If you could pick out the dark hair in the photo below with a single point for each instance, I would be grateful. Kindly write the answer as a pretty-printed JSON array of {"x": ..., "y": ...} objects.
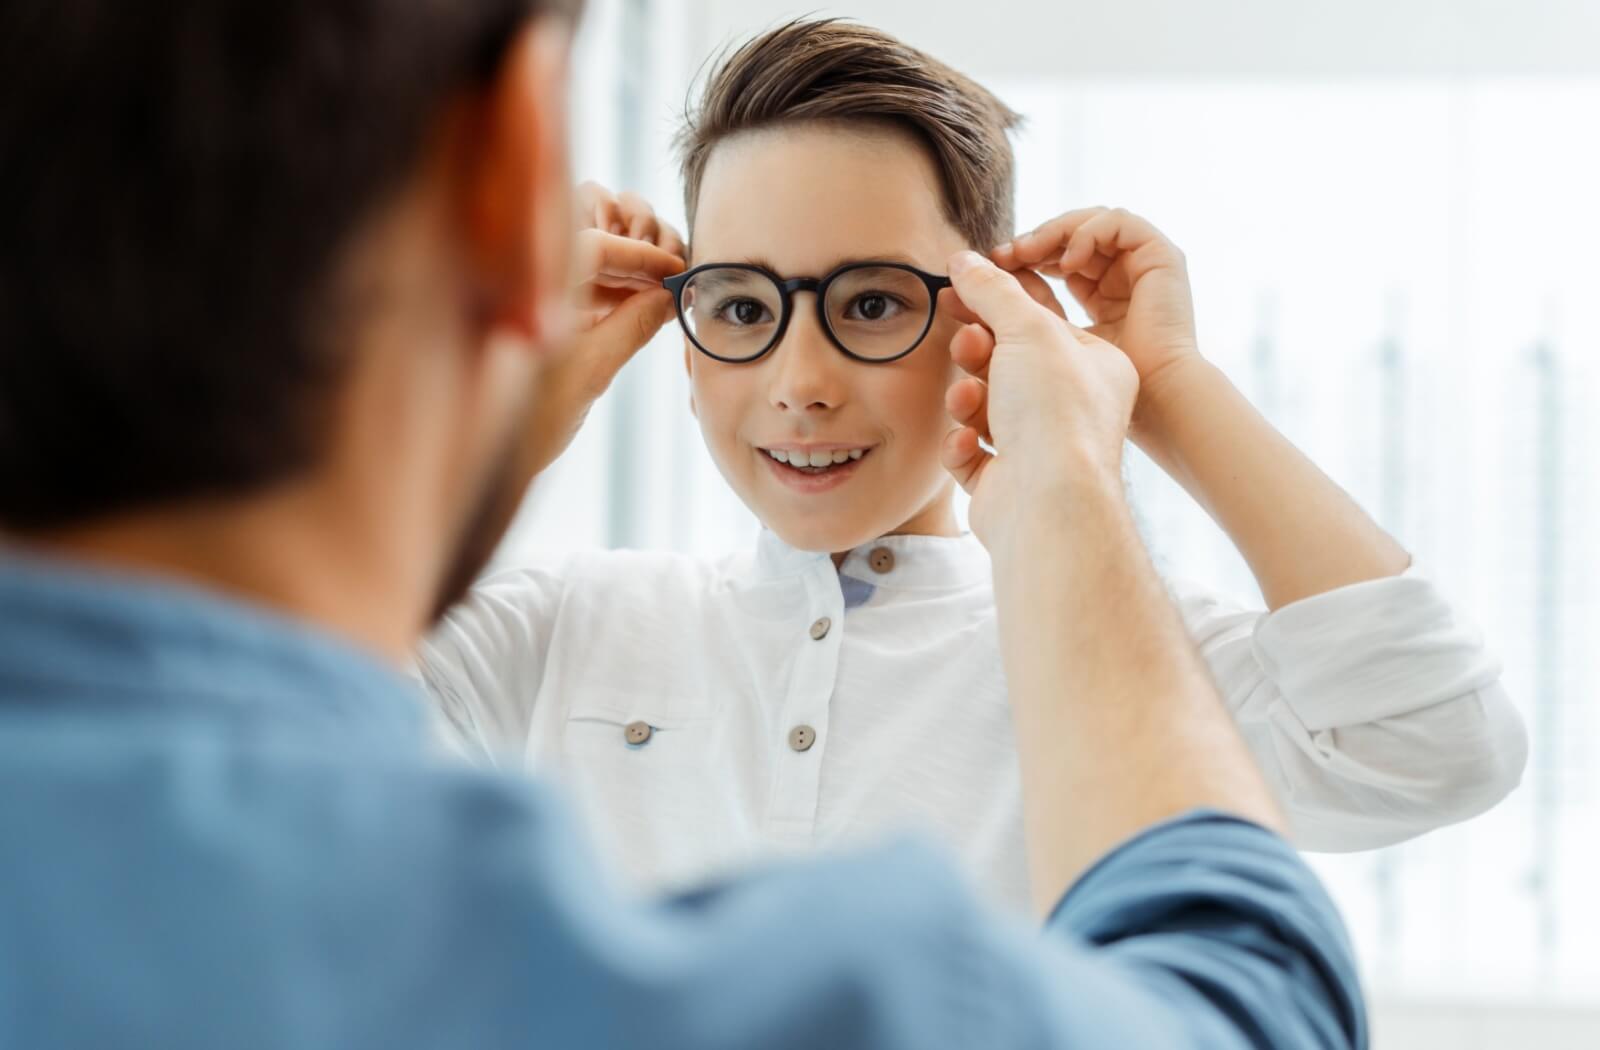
[
  {"x": 831, "y": 71},
  {"x": 177, "y": 183}
]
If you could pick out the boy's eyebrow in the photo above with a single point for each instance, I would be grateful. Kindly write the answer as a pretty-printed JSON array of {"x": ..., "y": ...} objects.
[{"x": 882, "y": 257}]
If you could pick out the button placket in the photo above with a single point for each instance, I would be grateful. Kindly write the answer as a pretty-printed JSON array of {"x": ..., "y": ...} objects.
[{"x": 801, "y": 722}]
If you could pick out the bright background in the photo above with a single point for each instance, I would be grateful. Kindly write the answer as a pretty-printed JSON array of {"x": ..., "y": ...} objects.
[{"x": 1392, "y": 216}]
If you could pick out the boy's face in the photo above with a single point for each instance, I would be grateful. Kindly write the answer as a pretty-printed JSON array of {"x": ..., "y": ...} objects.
[{"x": 801, "y": 201}]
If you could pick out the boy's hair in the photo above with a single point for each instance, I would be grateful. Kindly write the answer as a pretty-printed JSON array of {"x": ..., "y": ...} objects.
[
  {"x": 179, "y": 181},
  {"x": 832, "y": 71}
]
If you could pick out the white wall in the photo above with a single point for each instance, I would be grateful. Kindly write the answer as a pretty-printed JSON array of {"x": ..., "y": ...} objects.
[
  {"x": 1445, "y": 1024},
  {"x": 1213, "y": 37}
]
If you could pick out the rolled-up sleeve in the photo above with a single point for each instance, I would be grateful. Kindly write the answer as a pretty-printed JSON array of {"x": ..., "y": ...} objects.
[
  {"x": 1376, "y": 710},
  {"x": 1225, "y": 935}
]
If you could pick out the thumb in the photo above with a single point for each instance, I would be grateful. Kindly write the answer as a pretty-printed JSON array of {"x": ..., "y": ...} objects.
[
  {"x": 1000, "y": 302},
  {"x": 612, "y": 343}
]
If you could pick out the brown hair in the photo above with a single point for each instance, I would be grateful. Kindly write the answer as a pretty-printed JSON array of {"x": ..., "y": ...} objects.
[{"x": 832, "y": 71}]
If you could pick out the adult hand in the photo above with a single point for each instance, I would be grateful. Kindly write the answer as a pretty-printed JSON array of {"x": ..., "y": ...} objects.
[
  {"x": 1052, "y": 401},
  {"x": 1132, "y": 281},
  {"x": 623, "y": 252},
  {"x": 1118, "y": 724}
]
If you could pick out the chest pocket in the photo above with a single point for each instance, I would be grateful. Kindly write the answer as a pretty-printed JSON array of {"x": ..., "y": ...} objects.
[
  {"x": 655, "y": 783},
  {"x": 639, "y": 735}
]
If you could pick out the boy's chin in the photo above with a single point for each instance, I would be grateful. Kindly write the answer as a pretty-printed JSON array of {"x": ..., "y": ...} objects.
[{"x": 824, "y": 537}]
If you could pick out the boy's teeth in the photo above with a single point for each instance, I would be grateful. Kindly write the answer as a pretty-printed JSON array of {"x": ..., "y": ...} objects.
[{"x": 816, "y": 459}]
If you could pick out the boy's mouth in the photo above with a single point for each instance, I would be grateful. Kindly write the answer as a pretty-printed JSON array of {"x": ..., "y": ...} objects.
[{"x": 814, "y": 469}]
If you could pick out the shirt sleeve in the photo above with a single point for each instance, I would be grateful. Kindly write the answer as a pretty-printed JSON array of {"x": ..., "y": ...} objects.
[
  {"x": 482, "y": 666},
  {"x": 1205, "y": 932},
  {"x": 1375, "y": 709},
  {"x": 1221, "y": 919}
]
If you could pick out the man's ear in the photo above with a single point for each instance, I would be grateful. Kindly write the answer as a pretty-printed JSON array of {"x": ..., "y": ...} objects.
[
  {"x": 518, "y": 190},
  {"x": 688, "y": 368}
]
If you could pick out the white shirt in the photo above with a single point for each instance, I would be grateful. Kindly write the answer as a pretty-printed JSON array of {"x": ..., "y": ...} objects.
[{"x": 1374, "y": 710}]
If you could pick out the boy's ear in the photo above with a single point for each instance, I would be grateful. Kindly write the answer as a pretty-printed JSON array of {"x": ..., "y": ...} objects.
[{"x": 518, "y": 192}]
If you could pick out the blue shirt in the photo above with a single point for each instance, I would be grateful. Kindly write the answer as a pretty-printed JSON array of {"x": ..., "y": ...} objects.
[{"x": 221, "y": 829}]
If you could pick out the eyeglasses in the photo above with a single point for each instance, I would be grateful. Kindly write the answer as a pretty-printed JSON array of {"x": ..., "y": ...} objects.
[{"x": 872, "y": 311}]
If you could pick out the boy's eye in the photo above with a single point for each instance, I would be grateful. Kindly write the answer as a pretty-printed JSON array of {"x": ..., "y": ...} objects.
[
  {"x": 744, "y": 312},
  {"x": 873, "y": 306}
]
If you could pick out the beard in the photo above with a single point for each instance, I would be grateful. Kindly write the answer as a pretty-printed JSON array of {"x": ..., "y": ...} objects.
[
  {"x": 544, "y": 429},
  {"x": 496, "y": 507}
]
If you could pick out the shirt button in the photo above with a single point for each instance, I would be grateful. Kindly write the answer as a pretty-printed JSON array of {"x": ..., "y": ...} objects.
[
  {"x": 638, "y": 733},
  {"x": 820, "y": 629},
  {"x": 802, "y": 737},
  {"x": 881, "y": 560}
]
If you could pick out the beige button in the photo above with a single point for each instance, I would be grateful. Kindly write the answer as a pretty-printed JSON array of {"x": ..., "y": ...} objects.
[
  {"x": 802, "y": 737},
  {"x": 881, "y": 559},
  {"x": 638, "y": 733},
  {"x": 820, "y": 629}
]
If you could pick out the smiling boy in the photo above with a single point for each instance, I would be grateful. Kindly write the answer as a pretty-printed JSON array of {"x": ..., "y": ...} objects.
[{"x": 844, "y": 677}]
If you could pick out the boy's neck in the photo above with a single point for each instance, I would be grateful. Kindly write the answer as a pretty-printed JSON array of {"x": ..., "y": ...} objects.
[{"x": 937, "y": 518}]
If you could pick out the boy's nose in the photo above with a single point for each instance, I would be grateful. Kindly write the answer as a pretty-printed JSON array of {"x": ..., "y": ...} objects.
[{"x": 806, "y": 368}]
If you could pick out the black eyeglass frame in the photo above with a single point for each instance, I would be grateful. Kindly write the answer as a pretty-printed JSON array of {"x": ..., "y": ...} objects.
[{"x": 816, "y": 285}]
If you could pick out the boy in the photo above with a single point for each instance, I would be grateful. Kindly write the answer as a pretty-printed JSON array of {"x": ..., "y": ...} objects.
[{"x": 845, "y": 677}]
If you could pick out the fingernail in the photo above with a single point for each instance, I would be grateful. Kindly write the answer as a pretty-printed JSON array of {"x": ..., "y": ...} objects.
[
  {"x": 961, "y": 262},
  {"x": 1006, "y": 247}
]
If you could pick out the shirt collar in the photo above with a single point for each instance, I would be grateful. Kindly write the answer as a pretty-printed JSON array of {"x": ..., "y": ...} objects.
[
  {"x": 918, "y": 562},
  {"x": 114, "y": 638}
]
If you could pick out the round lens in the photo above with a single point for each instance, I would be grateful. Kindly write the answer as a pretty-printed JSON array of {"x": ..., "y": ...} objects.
[
  {"x": 878, "y": 312},
  {"x": 732, "y": 313}
]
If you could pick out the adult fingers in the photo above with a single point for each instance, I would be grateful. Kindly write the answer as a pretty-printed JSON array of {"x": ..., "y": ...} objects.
[
  {"x": 587, "y": 194},
  {"x": 599, "y": 209},
  {"x": 1087, "y": 293},
  {"x": 639, "y": 217},
  {"x": 619, "y": 261},
  {"x": 967, "y": 401},
  {"x": 963, "y": 456},
  {"x": 1109, "y": 235},
  {"x": 612, "y": 342},
  {"x": 995, "y": 296},
  {"x": 951, "y": 305},
  {"x": 1044, "y": 242},
  {"x": 1039, "y": 291},
  {"x": 971, "y": 349},
  {"x": 668, "y": 239}
]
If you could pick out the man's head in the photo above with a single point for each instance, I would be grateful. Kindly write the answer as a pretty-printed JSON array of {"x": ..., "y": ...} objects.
[
  {"x": 818, "y": 144},
  {"x": 309, "y": 249}
]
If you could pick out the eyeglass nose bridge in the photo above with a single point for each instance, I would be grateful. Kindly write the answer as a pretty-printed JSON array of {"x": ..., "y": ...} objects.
[
  {"x": 804, "y": 284},
  {"x": 789, "y": 288}
]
